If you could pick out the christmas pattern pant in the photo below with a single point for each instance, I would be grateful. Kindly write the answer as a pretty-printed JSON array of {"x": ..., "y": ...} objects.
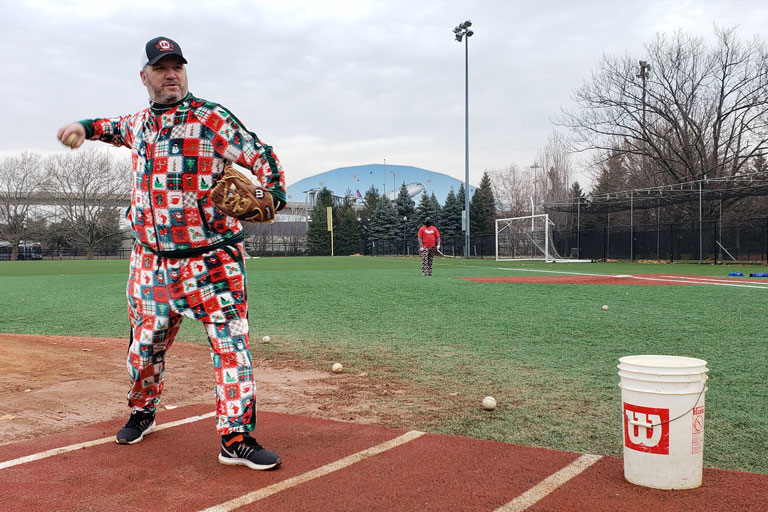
[
  {"x": 155, "y": 321},
  {"x": 427, "y": 254}
]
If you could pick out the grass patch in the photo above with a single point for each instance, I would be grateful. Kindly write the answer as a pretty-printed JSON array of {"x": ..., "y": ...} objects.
[{"x": 547, "y": 352}]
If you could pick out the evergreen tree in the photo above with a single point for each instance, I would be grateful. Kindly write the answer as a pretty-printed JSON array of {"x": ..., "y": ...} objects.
[
  {"x": 577, "y": 196},
  {"x": 429, "y": 207},
  {"x": 346, "y": 231},
  {"x": 759, "y": 163},
  {"x": 385, "y": 223},
  {"x": 482, "y": 208},
  {"x": 318, "y": 236},
  {"x": 366, "y": 214},
  {"x": 450, "y": 218},
  {"x": 406, "y": 209}
]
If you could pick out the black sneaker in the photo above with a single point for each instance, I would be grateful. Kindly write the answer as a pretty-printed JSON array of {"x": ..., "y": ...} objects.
[
  {"x": 139, "y": 424},
  {"x": 243, "y": 450}
]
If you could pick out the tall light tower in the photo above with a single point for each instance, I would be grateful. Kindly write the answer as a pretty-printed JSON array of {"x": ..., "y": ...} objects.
[
  {"x": 463, "y": 32},
  {"x": 644, "y": 73},
  {"x": 645, "y": 70},
  {"x": 535, "y": 168}
]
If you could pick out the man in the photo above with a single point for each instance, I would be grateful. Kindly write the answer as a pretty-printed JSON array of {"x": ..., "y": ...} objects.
[
  {"x": 429, "y": 242},
  {"x": 187, "y": 259}
]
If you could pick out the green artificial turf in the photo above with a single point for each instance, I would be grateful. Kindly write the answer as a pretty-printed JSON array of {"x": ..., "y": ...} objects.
[{"x": 547, "y": 352}]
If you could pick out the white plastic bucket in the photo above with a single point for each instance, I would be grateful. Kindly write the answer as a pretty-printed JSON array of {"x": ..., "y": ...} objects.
[{"x": 663, "y": 416}]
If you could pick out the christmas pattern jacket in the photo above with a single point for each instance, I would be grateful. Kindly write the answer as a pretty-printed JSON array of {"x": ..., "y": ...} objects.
[{"x": 177, "y": 155}]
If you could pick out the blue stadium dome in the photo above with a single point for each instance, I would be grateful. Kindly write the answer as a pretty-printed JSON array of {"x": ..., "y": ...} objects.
[{"x": 356, "y": 180}]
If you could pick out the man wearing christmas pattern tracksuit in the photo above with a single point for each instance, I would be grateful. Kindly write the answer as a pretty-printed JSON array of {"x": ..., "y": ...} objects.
[{"x": 187, "y": 260}]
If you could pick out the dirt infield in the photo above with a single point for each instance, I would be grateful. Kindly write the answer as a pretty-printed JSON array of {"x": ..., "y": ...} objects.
[
  {"x": 643, "y": 280},
  {"x": 56, "y": 383}
]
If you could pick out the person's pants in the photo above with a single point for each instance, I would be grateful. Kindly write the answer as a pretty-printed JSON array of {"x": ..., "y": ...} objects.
[
  {"x": 427, "y": 254},
  {"x": 209, "y": 288},
  {"x": 230, "y": 351}
]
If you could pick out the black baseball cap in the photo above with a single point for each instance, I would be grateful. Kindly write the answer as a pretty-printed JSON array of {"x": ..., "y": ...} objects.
[{"x": 159, "y": 47}]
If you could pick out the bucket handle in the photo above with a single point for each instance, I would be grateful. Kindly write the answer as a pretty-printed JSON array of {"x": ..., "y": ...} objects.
[{"x": 651, "y": 425}]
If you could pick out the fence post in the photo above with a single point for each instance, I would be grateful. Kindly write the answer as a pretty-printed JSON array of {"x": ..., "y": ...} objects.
[
  {"x": 671, "y": 243},
  {"x": 605, "y": 247}
]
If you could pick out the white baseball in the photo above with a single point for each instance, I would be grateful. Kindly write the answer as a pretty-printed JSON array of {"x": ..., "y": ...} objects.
[
  {"x": 489, "y": 403},
  {"x": 266, "y": 339},
  {"x": 337, "y": 368},
  {"x": 605, "y": 307},
  {"x": 71, "y": 140}
]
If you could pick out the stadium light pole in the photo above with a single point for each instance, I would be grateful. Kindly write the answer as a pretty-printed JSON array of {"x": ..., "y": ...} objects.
[
  {"x": 643, "y": 74},
  {"x": 24, "y": 245},
  {"x": 535, "y": 168},
  {"x": 405, "y": 221},
  {"x": 463, "y": 32}
]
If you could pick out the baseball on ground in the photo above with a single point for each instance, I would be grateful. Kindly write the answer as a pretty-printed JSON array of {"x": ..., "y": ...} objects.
[
  {"x": 605, "y": 307},
  {"x": 489, "y": 403},
  {"x": 337, "y": 368},
  {"x": 266, "y": 339}
]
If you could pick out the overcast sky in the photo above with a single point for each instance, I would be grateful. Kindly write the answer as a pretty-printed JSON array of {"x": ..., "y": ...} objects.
[{"x": 338, "y": 83}]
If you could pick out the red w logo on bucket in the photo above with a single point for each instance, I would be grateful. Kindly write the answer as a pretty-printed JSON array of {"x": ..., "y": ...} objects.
[{"x": 646, "y": 429}]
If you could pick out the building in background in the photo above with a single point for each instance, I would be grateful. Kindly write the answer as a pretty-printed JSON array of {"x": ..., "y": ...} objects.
[{"x": 356, "y": 180}]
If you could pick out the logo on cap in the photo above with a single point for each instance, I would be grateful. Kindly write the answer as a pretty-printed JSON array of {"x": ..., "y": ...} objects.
[{"x": 164, "y": 45}]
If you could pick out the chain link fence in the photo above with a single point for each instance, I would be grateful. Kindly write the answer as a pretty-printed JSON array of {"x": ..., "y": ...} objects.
[{"x": 706, "y": 241}]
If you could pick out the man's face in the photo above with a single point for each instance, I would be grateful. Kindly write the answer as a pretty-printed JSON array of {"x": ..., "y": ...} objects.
[{"x": 166, "y": 80}]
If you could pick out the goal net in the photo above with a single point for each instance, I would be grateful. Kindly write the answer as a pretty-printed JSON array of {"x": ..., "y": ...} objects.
[{"x": 525, "y": 238}]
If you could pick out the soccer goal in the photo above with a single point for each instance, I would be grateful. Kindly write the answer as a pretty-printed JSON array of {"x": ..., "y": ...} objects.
[{"x": 525, "y": 238}]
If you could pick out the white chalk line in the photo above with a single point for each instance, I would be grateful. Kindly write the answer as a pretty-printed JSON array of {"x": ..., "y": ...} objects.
[
  {"x": 265, "y": 492},
  {"x": 700, "y": 280},
  {"x": 87, "y": 444},
  {"x": 724, "y": 281},
  {"x": 668, "y": 279},
  {"x": 520, "y": 503},
  {"x": 549, "y": 484}
]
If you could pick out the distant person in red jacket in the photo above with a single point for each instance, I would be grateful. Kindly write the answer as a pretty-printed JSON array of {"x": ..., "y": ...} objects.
[{"x": 429, "y": 244}]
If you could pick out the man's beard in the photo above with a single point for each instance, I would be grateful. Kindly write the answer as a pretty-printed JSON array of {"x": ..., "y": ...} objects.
[{"x": 164, "y": 98}]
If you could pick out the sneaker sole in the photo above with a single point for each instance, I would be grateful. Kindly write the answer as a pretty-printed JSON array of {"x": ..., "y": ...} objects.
[
  {"x": 147, "y": 431},
  {"x": 245, "y": 462}
]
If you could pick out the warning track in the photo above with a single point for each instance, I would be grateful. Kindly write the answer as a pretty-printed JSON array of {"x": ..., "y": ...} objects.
[{"x": 332, "y": 465}]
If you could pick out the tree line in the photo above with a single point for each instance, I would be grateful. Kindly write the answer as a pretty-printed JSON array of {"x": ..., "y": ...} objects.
[
  {"x": 381, "y": 220},
  {"x": 80, "y": 191},
  {"x": 687, "y": 110}
]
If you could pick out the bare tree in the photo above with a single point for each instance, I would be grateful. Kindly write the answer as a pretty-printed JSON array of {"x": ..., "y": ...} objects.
[
  {"x": 554, "y": 182},
  {"x": 260, "y": 235},
  {"x": 513, "y": 190},
  {"x": 295, "y": 232},
  {"x": 689, "y": 112},
  {"x": 88, "y": 186},
  {"x": 20, "y": 179}
]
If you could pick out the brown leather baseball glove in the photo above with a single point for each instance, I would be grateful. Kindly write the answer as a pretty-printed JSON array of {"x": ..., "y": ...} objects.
[{"x": 238, "y": 197}]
